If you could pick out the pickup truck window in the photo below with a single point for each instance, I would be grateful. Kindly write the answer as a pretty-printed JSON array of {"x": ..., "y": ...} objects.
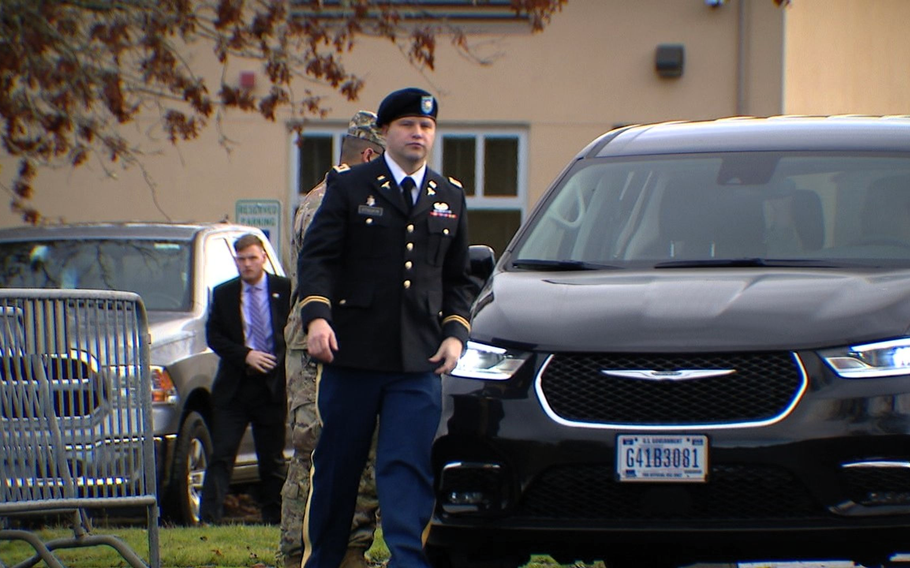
[{"x": 156, "y": 270}]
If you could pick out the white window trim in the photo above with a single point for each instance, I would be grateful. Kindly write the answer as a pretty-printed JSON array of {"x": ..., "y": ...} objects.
[
  {"x": 336, "y": 133},
  {"x": 479, "y": 200}
]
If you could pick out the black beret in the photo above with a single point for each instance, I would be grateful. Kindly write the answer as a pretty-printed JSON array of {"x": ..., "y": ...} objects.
[{"x": 406, "y": 102}]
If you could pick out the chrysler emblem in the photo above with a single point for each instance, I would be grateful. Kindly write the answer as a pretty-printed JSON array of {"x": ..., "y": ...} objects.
[{"x": 678, "y": 375}]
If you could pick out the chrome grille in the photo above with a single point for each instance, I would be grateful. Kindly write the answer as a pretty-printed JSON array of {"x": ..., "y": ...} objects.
[
  {"x": 763, "y": 387},
  {"x": 77, "y": 390}
]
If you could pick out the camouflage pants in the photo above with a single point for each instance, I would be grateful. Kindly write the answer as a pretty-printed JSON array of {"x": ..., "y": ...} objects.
[{"x": 305, "y": 428}]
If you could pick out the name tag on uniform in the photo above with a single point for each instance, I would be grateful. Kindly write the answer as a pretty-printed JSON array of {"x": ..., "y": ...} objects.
[{"x": 370, "y": 211}]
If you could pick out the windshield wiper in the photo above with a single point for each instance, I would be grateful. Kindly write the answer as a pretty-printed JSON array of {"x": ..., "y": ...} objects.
[
  {"x": 747, "y": 262},
  {"x": 557, "y": 265}
]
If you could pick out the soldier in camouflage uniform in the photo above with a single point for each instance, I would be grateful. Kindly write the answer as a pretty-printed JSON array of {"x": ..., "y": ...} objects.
[{"x": 362, "y": 143}]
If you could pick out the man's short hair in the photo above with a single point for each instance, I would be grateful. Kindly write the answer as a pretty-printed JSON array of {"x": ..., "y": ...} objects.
[{"x": 247, "y": 240}]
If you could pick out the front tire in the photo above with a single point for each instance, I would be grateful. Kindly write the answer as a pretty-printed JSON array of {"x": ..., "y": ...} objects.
[{"x": 191, "y": 457}]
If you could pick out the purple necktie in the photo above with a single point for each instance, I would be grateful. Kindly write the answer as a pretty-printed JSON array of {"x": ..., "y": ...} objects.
[{"x": 259, "y": 321}]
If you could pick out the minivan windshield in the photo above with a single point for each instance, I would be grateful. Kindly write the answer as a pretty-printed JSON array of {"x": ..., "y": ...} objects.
[
  {"x": 157, "y": 270},
  {"x": 737, "y": 209}
]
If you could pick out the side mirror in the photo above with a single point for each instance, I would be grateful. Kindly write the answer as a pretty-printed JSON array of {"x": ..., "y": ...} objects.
[{"x": 483, "y": 260}]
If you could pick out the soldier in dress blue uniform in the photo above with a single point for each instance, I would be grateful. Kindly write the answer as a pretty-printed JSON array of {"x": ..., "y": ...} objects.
[{"x": 385, "y": 299}]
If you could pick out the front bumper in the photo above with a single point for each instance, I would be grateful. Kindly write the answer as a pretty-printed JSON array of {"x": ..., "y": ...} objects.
[{"x": 831, "y": 476}]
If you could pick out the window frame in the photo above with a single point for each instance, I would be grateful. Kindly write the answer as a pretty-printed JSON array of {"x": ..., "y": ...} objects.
[
  {"x": 480, "y": 200},
  {"x": 296, "y": 193},
  {"x": 469, "y": 15}
]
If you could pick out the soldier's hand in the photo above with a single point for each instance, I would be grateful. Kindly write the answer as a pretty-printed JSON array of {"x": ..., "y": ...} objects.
[
  {"x": 260, "y": 361},
  {"x": 321, "y": 343},
  {"x": 448, "y": 353}
]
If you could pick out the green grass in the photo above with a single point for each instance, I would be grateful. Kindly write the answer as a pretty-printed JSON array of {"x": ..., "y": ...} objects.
[{"x": 224, "y": 546}]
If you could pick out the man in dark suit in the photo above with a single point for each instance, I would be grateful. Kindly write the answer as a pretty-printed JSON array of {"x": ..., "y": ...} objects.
[
  {"x": 245, "y": 328},
  {"x": 383, "y": 277}
]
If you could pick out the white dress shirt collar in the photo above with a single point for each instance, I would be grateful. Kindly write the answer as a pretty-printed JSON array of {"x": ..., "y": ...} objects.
[
  {"x": 399, "y": 174},
  {"x": 260, "y": 285}
]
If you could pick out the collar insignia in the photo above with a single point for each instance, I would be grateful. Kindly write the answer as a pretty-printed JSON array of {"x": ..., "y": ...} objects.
[{"x": 386, "y": 185}]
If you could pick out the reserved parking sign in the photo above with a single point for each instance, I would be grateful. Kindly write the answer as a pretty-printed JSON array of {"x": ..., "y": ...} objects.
[{"x": 263, "y": 214}]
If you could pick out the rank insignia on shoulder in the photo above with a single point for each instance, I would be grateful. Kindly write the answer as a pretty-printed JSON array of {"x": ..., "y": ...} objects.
[
  {"x": 455, "y": 182},
  {"x": 341, "y": 168}
]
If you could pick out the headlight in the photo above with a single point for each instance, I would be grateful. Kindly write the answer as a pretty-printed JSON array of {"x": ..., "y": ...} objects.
[
  {"x": 489, "y": 363},
  {"x": 872, "y": 360}
]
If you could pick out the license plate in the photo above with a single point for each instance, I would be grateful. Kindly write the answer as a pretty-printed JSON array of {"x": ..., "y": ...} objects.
[{"x": 661, "y": 457}]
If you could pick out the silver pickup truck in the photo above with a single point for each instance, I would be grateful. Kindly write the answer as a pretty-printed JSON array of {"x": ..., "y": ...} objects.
[{"x": 173, "y": 267}]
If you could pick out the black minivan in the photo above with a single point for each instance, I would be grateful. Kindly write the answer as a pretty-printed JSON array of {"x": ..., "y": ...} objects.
[{"x": 697, "y": 348}]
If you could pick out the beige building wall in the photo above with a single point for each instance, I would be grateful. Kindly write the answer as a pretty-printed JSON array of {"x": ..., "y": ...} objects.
[
  {"x": 591, "y": 69},
  {"x": 847, "y": 56}
]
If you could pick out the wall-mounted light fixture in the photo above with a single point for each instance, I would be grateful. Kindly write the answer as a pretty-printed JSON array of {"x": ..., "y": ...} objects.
[
  {"x": 669, "y": 60},
  {"x": 248, "y": 80},
  {"x": 715, "y": 3}
]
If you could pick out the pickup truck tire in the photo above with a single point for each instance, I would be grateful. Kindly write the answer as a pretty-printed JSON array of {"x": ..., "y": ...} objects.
[{"x": 191, "y": 456}]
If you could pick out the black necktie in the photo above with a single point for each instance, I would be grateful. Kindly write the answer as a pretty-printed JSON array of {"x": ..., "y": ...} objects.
[{"x": 407, "y": 185}]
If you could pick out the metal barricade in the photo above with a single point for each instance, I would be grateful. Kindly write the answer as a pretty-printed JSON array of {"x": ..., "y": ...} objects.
[{"x": 75, "y": 415}]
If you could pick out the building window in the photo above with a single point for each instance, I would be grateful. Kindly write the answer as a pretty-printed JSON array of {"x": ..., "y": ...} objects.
[
  {"x": 459, "y": 159},
  {"x": 458, "y": 12},
  {"x": 492, "y": 168},
  {"x": 493, "y": 227},
  {"x": 312, "y": 154},
  {"x": 502, "y": 180},
  {"x": 315, "y": 155}
]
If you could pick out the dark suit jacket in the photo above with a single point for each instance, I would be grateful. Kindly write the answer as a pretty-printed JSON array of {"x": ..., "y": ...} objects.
[
  {"x": 224, "y": 334},
  {"x": 392, "y": 284}
]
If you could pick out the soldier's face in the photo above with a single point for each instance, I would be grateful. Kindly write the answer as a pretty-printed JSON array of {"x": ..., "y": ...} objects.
[{"x": 409, "y": 140}]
